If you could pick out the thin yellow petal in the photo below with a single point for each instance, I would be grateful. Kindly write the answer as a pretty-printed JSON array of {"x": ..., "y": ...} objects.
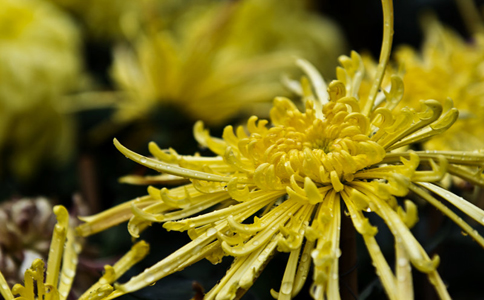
[
  {"x": 384, "y": 54},
  {"x": 69, "y": 262},
  {"x": 111, "y": 217},
  {"x": 168, "y": 168},
  {"x": 4, "y": 288},
  {"x": 465, "y": 206},
  {"x": 382, "y": 268},
  {"x": 449, "y": 213},
  {"x": 57, "y": 247},
  {"x": 403, "y": 274}
]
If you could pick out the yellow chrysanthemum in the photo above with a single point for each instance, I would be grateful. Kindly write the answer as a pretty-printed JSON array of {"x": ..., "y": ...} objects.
[
  {"x": 39, "y": 62},
  {"x": 61, "y": 268},
  {"x": 448, "y": 66},
  {"x": 211, "y": 62},
  {"x": 282, "y": 188}
]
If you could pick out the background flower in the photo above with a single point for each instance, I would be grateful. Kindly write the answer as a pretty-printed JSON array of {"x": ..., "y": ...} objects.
[
  {"x": 39, "y": 64},
  {"x": 26, "y": 226},
  {"x": 218, "y": 59},
  {"x": 448, "y": 67},
  {"x": 104, "y": 21}
]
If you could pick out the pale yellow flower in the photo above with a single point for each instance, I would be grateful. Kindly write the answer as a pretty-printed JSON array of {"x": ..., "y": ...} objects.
[
  {"x": 61, "y": 268},
  {"x": 39, "y": 63},
  {"x": 282, "y": 188},
  {"x": 216, "y": 60},
  {"x": 448, "y": 66}
]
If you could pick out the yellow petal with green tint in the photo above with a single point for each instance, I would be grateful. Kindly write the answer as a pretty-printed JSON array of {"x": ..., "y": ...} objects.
[
  {"x": 287, "y": 284},
  {"x": 203, "y": 137},
  {"x": 73, "y": 247},
  {"x": 326, "y": 253},
  {"x": 262, "y": 257},
  {"x": 384, "y": 54},
  {"x": 449, "y": 213},
  {"x": 145, "y": 180},
  {"x": 111, "y": 217},
  {"x": 111, "y": 274},
  {"x": 260, "y": 199},
  {"x": 170, "y": 263},
  {"x": 295, "y": 229},
  {"x": 361, "y": 223},
  {"x": 244, "y": 271},
  {"x": 34, "y": 273},
  {"x": 168, "y": 168},
  {"x": 410, "y": 215},
  {"x": 281, "y": 215},
  {"x": 57, "y": 247},
  {"x": 465, "y": 206},
  {"x": 382, "y": 268},
  {"x": 404, "y": 288},
  {"x": 4, "y": 288},
  {"x": 303, "y": 267},
  {"x": 415, "y": 251},
  {"x": 101, "y": 293}
]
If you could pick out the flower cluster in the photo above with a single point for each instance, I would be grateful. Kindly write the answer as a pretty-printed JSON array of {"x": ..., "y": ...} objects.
[{"x": 283, "y": 187}]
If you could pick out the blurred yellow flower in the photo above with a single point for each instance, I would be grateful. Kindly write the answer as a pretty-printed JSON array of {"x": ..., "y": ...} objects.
[
  {"x": 448, "y": 66},
  {"x": 282, "y": 188},
  {"x": 61, "y": 268},
  {"x": 104, "y": 20},
  {"x": 215, "y": 60},
  {"x": 39, "y": 62}
]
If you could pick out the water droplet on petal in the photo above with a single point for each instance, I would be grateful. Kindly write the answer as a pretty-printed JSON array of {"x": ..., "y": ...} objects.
[
  {"x": 338, "y": 252},
  {"x": 286, "y": 288},
  {"x": 149, "y": 278}
]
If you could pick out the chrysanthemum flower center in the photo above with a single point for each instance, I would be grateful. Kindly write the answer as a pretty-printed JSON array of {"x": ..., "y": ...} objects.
[{"x": 328, "y": 150}]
